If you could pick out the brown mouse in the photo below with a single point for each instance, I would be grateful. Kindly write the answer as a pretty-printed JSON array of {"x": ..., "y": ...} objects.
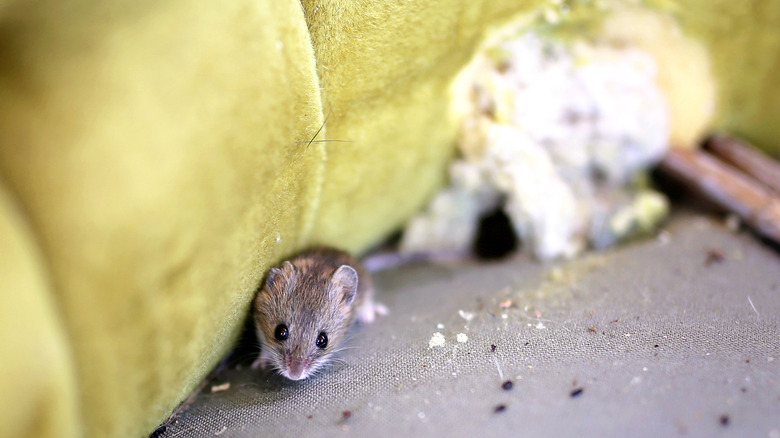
[{"x": 303, "y": 311}]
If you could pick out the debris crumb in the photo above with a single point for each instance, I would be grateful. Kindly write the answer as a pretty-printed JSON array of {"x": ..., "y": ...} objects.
[
  {"x": 498, "y": 367},
  {"x": 664, "y": 237},
  {"x": 346, "y": 414},
  {"x": 462, "y": 338},
  {"x": 540, "y": 326},
  {"x": 437, "y": 340},
  {"x": 506, "y": 386},
  {"x": 556, "y": 274},
  {"x": 507, "y": 303},
  {"x": 732, "y": 222},
  {"x": 223, "y": 387},
  {"x": 592, "y": 329},
  {"x": 492, "y": 348},
  {"x": 221, "y": 431},
  {"x": 576, "y": 392},
  {"x": 713, "y": 256},
  {"x": 466, "y": 315},
  {"x": 751, "y": 305},
  {"x": 724, "y": 420},
  {"x": 499, "y": 408}
]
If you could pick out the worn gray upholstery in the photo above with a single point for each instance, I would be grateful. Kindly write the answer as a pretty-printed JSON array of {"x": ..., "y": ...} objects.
[{"x": 671, "y": 336}]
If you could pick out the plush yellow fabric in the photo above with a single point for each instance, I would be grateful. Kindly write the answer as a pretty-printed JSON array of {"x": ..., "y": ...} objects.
[
  {"x": 743, "y": 40},
  {"x": 154, "y": 149},
  {"x": 157, "y": 154},
  {"x": 385, "y": 69},
  {"x": 36, "y": 369}
]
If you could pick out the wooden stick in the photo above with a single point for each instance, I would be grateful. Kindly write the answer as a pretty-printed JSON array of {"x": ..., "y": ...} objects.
[
  {"x": 728, "y": 188},
  {"x": 747, "y": 158}
]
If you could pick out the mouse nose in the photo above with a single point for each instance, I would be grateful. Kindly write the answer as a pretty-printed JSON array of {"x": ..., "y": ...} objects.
[{"x": 296, "y": 368}]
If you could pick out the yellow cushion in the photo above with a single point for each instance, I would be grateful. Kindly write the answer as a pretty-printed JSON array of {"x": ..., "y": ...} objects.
[
  {"x": 157, "y": 160},
  {"x": 36, "y": 371}
]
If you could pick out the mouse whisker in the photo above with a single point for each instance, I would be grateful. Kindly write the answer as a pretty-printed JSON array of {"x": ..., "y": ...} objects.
[
  {"x": 341, "y": 349},
  {"x": 337, "y": 360},
  {"x": 318, "y": 366}
]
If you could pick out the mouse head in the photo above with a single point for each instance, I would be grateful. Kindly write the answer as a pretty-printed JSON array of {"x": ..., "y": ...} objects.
[{"x": 302, "y": 316}]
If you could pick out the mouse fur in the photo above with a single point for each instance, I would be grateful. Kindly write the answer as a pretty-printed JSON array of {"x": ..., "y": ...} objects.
[{"x": 315, "y": 296}]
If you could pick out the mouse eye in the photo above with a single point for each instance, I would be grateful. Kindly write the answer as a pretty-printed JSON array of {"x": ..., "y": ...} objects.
[
  {"x": 322, "y": 340},
  {"x": 281, "y": 333}
]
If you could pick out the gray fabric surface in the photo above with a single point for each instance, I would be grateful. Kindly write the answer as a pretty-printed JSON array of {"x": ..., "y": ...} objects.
[{"x": 660, "y": 336}]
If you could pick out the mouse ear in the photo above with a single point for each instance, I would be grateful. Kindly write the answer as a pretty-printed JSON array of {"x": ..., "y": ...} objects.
[
  {"x": 286, "y": 271},
  {"x": 346, "y": 281}
]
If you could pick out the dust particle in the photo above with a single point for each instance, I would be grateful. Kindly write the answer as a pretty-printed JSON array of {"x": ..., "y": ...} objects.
[
  {"x": 466, "y": 315},
  {"x": 576, "y": 392},
  {"x": 223, "y": 387},
  {"x": 437, "y": 340},
  {"x": 713, "y": 256}
]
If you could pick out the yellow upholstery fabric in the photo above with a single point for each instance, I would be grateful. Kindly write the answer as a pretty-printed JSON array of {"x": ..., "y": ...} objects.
[
  {"x": 153, "y": 148},
  {"x": 156, "y": 159},
  {"x": 743, "y": 41},
  {"x": 37, "y": 380}
]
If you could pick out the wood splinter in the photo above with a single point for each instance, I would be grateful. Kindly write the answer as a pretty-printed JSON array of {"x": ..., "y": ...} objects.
[
  {"x": 749, "y": 195},
  {"x": 746, "y": 158}
]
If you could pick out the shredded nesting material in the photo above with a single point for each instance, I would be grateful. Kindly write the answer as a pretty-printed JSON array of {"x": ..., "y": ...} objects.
[{"x": 558, "y": 135}]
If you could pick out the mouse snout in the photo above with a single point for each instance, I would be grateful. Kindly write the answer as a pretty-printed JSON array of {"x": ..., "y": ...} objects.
[{"x": 297, "y": 367}]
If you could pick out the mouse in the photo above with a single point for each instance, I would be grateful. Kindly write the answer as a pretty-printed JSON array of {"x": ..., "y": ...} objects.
[{"x": 306, "y": 306}]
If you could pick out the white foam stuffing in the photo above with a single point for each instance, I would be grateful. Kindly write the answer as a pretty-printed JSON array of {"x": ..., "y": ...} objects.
[{"x": 554, "y": 129}]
